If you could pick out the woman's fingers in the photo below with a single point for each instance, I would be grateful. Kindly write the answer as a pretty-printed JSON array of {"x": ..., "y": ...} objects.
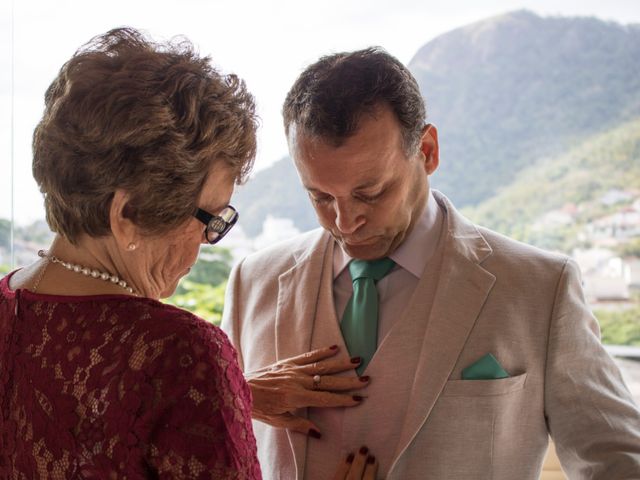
[
  {"x": 360, "y": 466},
  {"x": 306, "y": 380},
  {"x": 335, "y": 384},
  {"x": 343, "y": 467},
  {"x": 330, "y": 365},
  {"x": 313, "y": 356},
  {"x": 309, "y": 398},
  {"x": 278, "y": 396},
  {"x": 292, "y": 399},
  {"x": 320, "y": 362},
  {"x": 359, "y": 463},
  {"x": 292, "y": 422},
  {"x": 371, "y": 468}
]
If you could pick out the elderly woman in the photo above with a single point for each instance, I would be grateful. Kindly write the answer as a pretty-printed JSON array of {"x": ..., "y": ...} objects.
[{"x": 137, "y": 154}]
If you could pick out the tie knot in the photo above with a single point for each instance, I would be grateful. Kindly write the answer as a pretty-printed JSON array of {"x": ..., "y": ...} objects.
[{"x": 374, "y": 269}]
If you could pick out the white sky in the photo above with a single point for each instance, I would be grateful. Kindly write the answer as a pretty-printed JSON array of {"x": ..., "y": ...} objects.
[{"x": 265, "y": 42}]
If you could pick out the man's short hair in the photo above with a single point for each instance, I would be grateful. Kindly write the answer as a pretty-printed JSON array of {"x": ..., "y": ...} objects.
[{"x": 329, "y": 98}]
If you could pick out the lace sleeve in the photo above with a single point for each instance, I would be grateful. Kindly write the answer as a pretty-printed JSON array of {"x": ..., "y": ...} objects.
[{"x": 202, "y": 426}]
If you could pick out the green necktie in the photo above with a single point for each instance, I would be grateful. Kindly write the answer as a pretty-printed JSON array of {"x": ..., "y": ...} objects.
[{"x": 360, "y": 319}]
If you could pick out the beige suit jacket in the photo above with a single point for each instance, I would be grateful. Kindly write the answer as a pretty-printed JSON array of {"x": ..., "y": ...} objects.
[{"x": 494, "y": 295}]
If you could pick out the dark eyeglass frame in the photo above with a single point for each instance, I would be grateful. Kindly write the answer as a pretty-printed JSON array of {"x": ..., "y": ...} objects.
[{"x": 217, "y": 226}]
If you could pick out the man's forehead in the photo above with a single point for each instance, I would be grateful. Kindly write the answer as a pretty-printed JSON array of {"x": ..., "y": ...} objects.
[
  {"x": 379, "y": 138},
  {"x": 299, "y": 137}
]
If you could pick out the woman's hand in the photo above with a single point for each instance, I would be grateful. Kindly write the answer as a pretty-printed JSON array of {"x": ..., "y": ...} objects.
[
  {"x": 307, "y": 380},
  {"x": 360, "y": 466}
]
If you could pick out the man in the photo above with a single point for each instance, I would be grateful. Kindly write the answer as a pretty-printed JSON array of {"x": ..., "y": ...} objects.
[{"x": 484, "y": 346}]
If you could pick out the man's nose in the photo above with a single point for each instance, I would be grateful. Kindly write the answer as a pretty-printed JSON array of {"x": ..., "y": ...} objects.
[{"x": 348, "y": 217}]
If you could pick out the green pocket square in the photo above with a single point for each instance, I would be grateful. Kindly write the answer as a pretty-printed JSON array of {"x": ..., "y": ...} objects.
[{"x": 487, "y": 368}]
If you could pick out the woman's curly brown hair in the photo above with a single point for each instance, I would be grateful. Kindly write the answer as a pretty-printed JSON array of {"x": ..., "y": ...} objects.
[{"x": 149, "y": 118}]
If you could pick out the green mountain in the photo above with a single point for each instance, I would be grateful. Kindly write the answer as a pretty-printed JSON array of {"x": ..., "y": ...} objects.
[
  {"x": 579, "y": 177},
  {"x": 511, "y": 89},
  {"x": 274, "y": 191},
  {"x": 506, "y": 93}
]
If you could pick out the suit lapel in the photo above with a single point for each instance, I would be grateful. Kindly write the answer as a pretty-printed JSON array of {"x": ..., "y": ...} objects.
[
  {"x": 298, "y": 290},
  {"x": 462, "y": 290}
]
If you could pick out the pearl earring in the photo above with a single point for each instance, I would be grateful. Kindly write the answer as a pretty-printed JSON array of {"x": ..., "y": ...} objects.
[{"x": 131, "y": 247}]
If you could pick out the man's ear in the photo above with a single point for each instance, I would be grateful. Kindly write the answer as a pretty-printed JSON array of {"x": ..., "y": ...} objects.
[
  {"x": 429, "y": 147},
  {"x": 124, "y": 231}
]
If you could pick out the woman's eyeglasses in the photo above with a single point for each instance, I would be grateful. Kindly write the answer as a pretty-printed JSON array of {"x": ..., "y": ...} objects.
[{"x": 217, "y": 226}]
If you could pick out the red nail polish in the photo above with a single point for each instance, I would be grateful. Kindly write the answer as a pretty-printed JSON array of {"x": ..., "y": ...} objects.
[
  {"x": 364, "y": 450},
  {"x": 350, "y": 458},
  {"x": 371, "y": 459},
  {"x": 356, "y": 359},
  {"x": 314, "y": 433},
  {"x": 333, "y": 347},
  {"x": 358, "y": 398},
  {"x": 365, "y": 378}
]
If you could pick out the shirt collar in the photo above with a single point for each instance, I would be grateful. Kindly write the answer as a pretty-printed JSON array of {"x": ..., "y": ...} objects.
[{"x": 416, "y": 250}]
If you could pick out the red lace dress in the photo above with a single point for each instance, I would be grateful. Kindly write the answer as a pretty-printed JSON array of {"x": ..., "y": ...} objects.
[{"x": 113, "y": 386}]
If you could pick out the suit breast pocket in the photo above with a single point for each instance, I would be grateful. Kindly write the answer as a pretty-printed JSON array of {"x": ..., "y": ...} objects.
[
  {"x": 481, "y": 388},
  {"x": 457, "y": 440}
]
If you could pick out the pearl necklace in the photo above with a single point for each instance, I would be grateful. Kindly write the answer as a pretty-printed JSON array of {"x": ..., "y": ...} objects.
[{"x": 88, "y": 272}]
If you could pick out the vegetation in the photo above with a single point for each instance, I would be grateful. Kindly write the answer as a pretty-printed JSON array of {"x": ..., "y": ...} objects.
[
  {"x": 631, "y": 249},
  {"x": 202, "y": 291},
  {"x": 510, "y": 90},
  {"x": 274, "y": 191},
  {"x": 212, "y": 268},
  {"x": 578, "y": 177},
  {"x": 204, "y": 300},
  {"x": 620, "y": 327}
]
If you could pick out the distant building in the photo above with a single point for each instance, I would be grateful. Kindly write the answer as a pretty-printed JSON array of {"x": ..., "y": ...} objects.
[
  {"x": 634, "y": 272},
  {"x": 615, "y": 196},
  {"x": 598, "y": 288},
  {"x": 622, "y": 225},
  {"x": 557, "y": 218},
  {"x": 606, "y": 277},
  {"x": 238, "y": 243},
  {"x": 592, "y": 260}
]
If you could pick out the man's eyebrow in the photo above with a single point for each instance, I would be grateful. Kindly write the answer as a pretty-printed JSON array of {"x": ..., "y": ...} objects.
[
  {"x": 368, "y": 184},
  {"x": 363, "y": 186}
]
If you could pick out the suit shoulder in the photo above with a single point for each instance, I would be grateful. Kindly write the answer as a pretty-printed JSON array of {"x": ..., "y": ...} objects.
[
  {"x": 510, "y": 251},
  {"x": 283, "y": 254}
]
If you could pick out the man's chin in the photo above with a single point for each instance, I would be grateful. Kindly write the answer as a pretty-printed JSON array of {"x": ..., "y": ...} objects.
[{"x": 364, "y": 251}]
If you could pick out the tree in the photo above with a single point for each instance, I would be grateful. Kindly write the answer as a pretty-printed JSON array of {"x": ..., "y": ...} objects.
[
  {"x": 630, "y": 249},
  {"x": 620, "y": 327},
  {"x": 213, "y": 266},
  {"x": 202, "y": 291},
  {"x": 203, "y": 300}
]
